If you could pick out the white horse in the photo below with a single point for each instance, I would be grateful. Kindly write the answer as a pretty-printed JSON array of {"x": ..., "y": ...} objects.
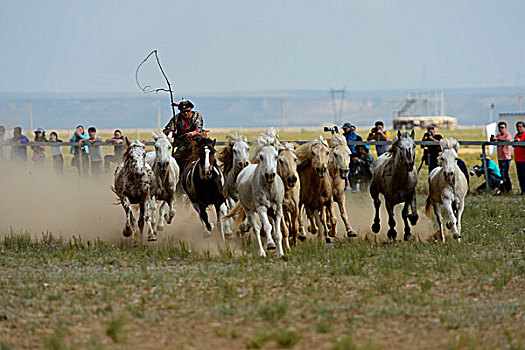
[
  {"x": 261, "y": 191},
  {"x": 234, "y": 157},
  {"x": 134, "y": 184},
  {"x": 447, "y": 186},
  {"x": 166, "y": 174}
]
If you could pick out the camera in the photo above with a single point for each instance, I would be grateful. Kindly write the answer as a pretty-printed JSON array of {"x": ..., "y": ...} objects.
[
  {"x": 331, "y": 129},
  {"x": 474, "y": 170},
  {"x": 427, "y": 135},
  {"x": 374, "y": 130}
]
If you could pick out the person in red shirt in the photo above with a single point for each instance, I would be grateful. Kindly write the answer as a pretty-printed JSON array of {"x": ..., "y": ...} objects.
[
  {"x": 519, "y": 155},
  {"x": 504, "y": 153}
]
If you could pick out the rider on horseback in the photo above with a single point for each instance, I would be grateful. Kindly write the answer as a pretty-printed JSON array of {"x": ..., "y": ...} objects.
[{"x": 185, "y": 125}]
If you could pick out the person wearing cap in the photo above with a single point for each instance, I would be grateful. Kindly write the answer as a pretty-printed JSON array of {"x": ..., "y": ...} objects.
[
  {"x": 378, "y": 133},
  {"x": 431, "y": 153},
  {"x": 350, "y": 135},
  {"x": 184, "y": 125},
  {"x": 18, "y": 153},
  {"x": 39, "y": 152},
  {"x": 495, "y": 180}
]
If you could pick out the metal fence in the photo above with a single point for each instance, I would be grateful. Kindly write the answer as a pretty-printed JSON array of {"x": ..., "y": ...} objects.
[{"x": 483, "y": 145}]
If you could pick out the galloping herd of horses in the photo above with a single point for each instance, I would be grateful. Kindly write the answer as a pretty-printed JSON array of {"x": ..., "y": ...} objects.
[{"x": 276, "y": 183}]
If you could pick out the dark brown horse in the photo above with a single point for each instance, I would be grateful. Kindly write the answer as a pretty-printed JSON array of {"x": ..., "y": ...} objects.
[{"x": 202, "y": 181}]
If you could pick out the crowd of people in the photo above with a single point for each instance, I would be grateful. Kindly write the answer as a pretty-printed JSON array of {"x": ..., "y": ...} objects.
[{"x": 88, "y": 155}]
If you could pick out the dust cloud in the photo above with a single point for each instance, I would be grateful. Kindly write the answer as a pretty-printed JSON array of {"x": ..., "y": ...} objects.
[{"x": 37, "y": 201}]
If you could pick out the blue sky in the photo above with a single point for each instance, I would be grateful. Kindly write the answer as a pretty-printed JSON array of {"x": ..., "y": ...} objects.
[{"x": 240, "y": 46}]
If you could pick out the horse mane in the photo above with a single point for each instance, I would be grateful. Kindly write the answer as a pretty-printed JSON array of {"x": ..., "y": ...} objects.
[
  {"x": 271, "y": 137},
  {"x": 449, "y": 143},
  {"x": 291, "y": 146},
  {"x": 192, "y": 153},
  {"x": 262, "y": 141},
  {"x": 304, "y": 152},
  {"x": 225, "y": 154},
  {"x": 127, "y": 152},
  {"x": 336, "y": 140}
]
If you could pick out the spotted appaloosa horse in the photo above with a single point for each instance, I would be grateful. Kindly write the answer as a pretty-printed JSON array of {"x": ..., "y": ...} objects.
[
  {"x": 202, "y": 180},
  {"x": 166, "y": 173},
  {"x": 395, "y": 176},
  {"x": 134, "y": 184}
]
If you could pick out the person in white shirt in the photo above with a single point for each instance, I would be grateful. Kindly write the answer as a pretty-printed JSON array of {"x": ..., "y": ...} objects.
[
  {"x": 96, "y": 154},
  {"x": 4, "y": 152}
]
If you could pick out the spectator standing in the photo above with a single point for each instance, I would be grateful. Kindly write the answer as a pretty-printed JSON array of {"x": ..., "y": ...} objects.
[
  {"x": 363, "y": 160},
  {"x": 18, "y": 153},
  {"x": 39, "y": 152},
  {"x": 80, "y": 152},
  {"x": 431, "y": 153},
  {"x": 504, "y": 153},
  {"x": 58, "y": 159},
  {"x": 4, "y": 138},
  {"x": 378, "y": 133},
  {"x": 519, "y": 155},
  {"x": 118, "y": 141},
  {"x": 350, "y": 135},
  {"x": 96, "y": 154}
]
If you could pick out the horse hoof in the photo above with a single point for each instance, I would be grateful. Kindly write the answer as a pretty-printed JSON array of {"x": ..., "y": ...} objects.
[
  {"x": 392, "y": 234},
  {"x": 376, "y": 227},
  {"x": 351, "y": 234},
  {"x": 456, "y": 236},
  {"x": 135, "y": 244},
  {"x": 330, "y": 240},
  {"x": 127, "y": 231},
  {"x": 206, "y": 234},
  {"x": 408, "y": 237},
  {"x": 160, "y": 228},
  {"x": 228, "y": 235},
  {"x": 449, "y": 226},
  {"x": 152, "y": 238},
  {"x": 301, "y": 238},
  {"x": 270, "y": 246},
  {"x": 413, "y": 219}
]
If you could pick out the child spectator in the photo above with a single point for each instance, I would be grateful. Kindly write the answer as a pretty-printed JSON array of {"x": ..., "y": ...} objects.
[
  {"x": 58, "y": 159},
  {"x": 118, "y": 141},
  {"x": 39, "y": 152},
  {"x": 95, "y": 151}
]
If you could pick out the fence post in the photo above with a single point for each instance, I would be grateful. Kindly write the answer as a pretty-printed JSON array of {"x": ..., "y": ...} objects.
[{"x": 487, "y": 185}]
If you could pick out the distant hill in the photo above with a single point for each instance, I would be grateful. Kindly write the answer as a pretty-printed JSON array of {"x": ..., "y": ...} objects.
[{"x": 253, "y": 109}]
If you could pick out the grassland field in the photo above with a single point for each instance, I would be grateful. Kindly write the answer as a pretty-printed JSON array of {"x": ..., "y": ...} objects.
[{"x": 70, "y": 290}]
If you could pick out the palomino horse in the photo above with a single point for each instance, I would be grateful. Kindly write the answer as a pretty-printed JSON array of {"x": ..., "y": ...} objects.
[
  {"x": 202, "y": 181},
  {"x": 448, "y": 187},
  {"x": 395, "y": 176},
  {"x": 287, "y": 170},
  {"x": 262, "y": 192},
  {"x": 338, "y": 167},
  {"x": 316, "y": 186},
  {"x": 234, "y": 157},
  {"x": 166, "y": 173},
  {"x": 134, "y": 184}
]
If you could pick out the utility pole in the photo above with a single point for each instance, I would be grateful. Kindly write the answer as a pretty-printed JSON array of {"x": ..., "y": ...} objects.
[
  {"x": 491, "y": 114},
  {"x": 158, "y": 114},
  {"x": 338, "y": 110},
  {"x": 282, "y": 114},
  {"x": 519, "y": 102},
  {"x": 30, "y": 115}
]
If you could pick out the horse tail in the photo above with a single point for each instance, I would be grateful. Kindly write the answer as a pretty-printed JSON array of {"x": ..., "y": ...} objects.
[
  {"x": 428, "y": 206},
  {"x": 119, "y": 200},
  {"x": 238, "y": 211}
]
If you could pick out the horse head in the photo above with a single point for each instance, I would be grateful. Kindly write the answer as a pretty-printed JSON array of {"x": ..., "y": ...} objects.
[
  {"x": 206, "y": 152},
  {"x": 268, "y": 162},
  {"x": 162, "y": 150},
  {"x": 287, "y": 164},
  {"x": 405, "y": 147},
  {"x": 241, "y": 152},
  {"x": 319, "y": 153},
  {"x": 448, "y": 158},
  {"x": 135, "y": 157},
  {"x": 340, "y": 155}
]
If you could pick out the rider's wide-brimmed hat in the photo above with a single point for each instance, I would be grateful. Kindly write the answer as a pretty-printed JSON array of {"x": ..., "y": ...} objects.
[{"x": 184, "y": 104}]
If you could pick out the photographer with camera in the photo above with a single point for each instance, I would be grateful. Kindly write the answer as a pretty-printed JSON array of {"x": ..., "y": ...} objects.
[
  {"x": 378, "y": 133},
  {"x": 495, "y": 180},
  {"x": 431, "y": 153}
]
